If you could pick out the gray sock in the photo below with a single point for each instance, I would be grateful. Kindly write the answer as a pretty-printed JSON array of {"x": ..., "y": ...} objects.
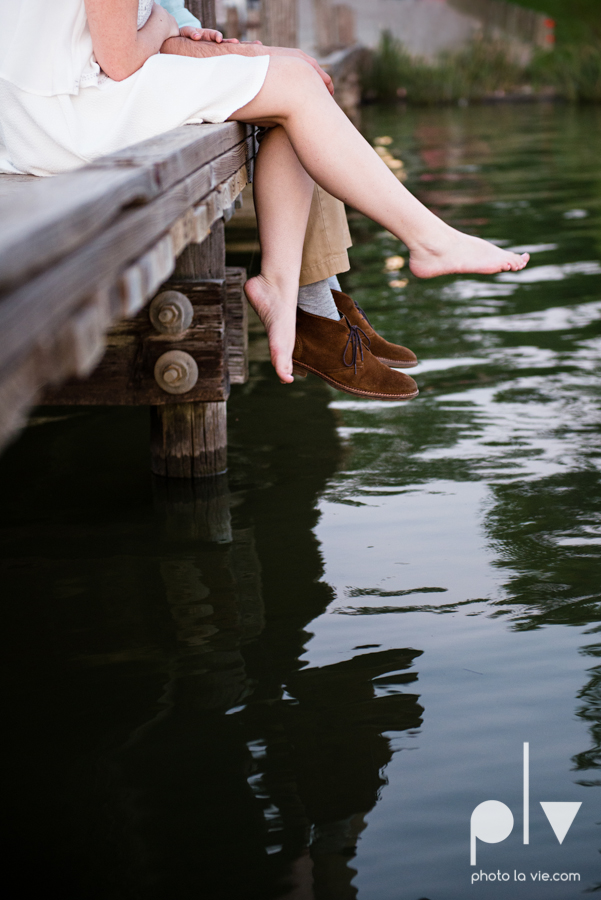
[
  {"x": 317, "y": 299},
  {"x": 334, "y": 283}
]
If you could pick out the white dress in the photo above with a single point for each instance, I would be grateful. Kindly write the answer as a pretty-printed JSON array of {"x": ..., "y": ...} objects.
[{"x": 58, "y": 110}]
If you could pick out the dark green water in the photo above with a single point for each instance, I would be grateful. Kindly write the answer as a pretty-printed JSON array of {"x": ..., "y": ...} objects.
[{"x": 400, "y": 595}]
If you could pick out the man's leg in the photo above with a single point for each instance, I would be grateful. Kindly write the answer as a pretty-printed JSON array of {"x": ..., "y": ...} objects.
[
  {"x": 324, "y": 254},
  {"x": 327, "y": 239}
]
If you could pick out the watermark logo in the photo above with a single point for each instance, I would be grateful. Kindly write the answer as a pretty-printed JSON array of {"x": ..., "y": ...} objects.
[{"x": 492, "y": 821}]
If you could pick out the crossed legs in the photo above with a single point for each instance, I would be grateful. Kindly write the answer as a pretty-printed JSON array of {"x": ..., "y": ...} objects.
[{"x": 321, "y": 144}]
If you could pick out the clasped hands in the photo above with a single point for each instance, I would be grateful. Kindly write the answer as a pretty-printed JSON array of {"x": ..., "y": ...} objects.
[{"x": 211, "y": 35}]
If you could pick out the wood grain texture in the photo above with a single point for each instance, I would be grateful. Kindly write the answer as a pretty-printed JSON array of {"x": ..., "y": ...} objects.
[
  {"x": 237, "y": 325},
  {"x": 279, "y": 23},
  {"x": 189, "y": 440},
  {"x": 125, "y": 374},
  {"x": 173, "y": 155},
  {"x": 203, "y": 10},
  {"x": 217, "y": 339},
  {"x": 43, "y": 303},
  {"x": 44, "y": 219},
  {"x": 207, "y": 258},
  {"x": 57, "y": 348},
  {"x": 80, "y": 251}
]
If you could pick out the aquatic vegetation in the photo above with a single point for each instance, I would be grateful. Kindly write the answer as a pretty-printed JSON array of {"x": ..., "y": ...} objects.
[
  {"x": 483, "y": 68},
  {"x": 482, "y": 71},
  {"x": 574, "y": 71}
]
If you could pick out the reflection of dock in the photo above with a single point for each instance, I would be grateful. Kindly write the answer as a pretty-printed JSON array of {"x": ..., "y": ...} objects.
[{"x": 179, "y": 726}]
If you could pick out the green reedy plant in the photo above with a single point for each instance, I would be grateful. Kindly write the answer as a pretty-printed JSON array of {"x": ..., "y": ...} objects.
[
  {"x": 574, "y": 71},
  {"x": 482, "y": 68}
]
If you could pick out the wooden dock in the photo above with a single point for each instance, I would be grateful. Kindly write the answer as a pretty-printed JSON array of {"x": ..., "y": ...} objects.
[
  {"x": 114, "y": 289},
  {"x": 81, "y": 254}
]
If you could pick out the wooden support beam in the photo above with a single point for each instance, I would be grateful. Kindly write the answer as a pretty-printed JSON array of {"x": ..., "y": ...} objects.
[
  {"x": 203, "y": 10},
  {"x": 208, "y": 257},
  {"x": 189, "y": 440},
  {"x": 237, "y": 326},
  {"x": 279, "y": 23},
  {"x": 215, "y": 337},
  {"x": 29, "y": 311},
  {"x": 81, "y": 251}
]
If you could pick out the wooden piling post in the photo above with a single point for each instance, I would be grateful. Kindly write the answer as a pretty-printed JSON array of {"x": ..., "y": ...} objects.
[
  {"x": 203, "y": 10},
  {"x": 189, "y": 440},
  {"x": 279, "y": 23}
]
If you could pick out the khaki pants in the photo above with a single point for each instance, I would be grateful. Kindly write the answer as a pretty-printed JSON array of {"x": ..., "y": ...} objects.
[{"x": 327, "y": 239}]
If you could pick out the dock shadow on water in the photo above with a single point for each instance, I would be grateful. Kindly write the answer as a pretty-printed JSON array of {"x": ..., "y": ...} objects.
[
  {"x": 164, "y": 738},
  {"x": 300, "y": 681}
]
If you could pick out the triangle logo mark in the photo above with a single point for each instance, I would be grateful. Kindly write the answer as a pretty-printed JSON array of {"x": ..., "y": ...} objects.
[{"x": 561, "y": 816}]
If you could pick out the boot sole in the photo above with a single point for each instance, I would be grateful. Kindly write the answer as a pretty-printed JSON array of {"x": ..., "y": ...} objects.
[
  {"x": 395, "y": 364},
  {"x": 302, "y": 370}
]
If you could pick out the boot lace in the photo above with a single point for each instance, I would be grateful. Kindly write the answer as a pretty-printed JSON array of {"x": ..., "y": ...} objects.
[
  {"x": 354, "y": 341},
  {"x": 363, "y": 313}
]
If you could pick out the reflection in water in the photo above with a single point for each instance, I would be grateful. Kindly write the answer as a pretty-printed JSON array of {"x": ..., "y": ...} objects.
[
  {"x": 168, "y": 741},
  {"x": 509, "y": 402}
]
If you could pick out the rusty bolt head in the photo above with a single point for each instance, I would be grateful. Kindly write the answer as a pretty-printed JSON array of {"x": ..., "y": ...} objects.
[
  {"x": 171, "y": 312},
  {"x": 176, "y": 372}
]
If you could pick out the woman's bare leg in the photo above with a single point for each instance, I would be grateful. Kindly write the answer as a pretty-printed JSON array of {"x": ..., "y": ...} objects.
[
  {"x": 339, "y": 159},
  {"x": 283, "y": 192}
]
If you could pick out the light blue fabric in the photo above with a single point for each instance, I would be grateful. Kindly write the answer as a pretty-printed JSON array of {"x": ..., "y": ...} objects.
[{"x": 179, "y": 12}]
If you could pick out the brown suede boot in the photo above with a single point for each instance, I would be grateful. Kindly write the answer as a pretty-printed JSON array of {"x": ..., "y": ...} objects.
[
  {"x": 339, "y": 353},
  {"x": 390, "y": 354}
]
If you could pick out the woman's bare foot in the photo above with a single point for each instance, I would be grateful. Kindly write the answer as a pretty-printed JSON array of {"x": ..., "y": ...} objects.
[
  {"x": 279, "y": 318},
  {"x": 458, "y": 253}
]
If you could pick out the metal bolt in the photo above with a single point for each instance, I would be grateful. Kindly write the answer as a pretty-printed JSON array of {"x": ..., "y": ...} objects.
[
  {"x": 172, "y": 374},
  {"x": 171, "y": 312},
  {"x": 176, "y": 372},
  {"x": 168, "y": 315}
]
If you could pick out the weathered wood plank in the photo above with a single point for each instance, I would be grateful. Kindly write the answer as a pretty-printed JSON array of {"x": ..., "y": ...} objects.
[
  {"x": 203, "y": 10},
  {"x": 37, "y": 307},
  {"x": 237, "y": 326},
  {"x": 56, "y": 215},
  {"x": 173, "y": 155},
  {"x": 52, "y": 356},
  {"x": 208, "y": 257},
  {"x": 189, "y": 440},
  {"x": 43, "y": 220},
  {"x": 217, "y": 339},
  {"x": 125, "y": 375}
]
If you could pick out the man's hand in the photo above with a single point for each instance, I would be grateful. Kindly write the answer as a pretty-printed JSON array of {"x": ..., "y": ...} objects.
[
  {"x": 184, "y": 46},
  {"x": 205, "y": 34}
]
